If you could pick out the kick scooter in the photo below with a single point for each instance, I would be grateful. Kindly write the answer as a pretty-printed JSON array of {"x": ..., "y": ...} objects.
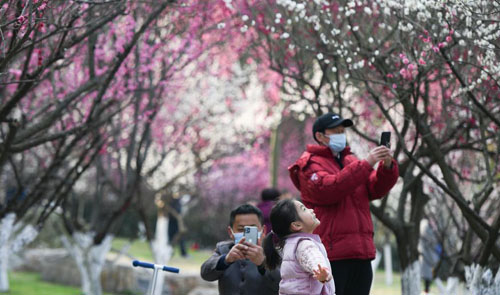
[{"x": 156, "y": 268}]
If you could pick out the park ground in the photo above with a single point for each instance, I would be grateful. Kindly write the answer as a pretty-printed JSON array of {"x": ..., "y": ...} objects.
[{"x": 23, "y": 283}]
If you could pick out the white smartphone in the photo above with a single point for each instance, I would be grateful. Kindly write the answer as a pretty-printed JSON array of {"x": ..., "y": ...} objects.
[{"x": 250, "y": 233}]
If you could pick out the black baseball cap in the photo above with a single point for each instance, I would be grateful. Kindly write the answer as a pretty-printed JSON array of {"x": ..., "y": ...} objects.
[{"x": 329, "y": 120}]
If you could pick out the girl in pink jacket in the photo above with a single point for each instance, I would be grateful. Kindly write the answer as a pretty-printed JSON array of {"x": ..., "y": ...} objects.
[{"x": 305, "y": 268}]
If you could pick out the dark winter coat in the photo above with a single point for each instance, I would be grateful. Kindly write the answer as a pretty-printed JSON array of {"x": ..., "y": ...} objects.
[{"x": 240, "y": 277}]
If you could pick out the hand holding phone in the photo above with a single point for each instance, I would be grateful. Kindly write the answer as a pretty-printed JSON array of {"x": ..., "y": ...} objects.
[{"x": 385, "y": 139}]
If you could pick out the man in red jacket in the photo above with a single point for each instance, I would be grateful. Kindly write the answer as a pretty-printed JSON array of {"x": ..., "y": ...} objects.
[{"x": 339, "y": 187}]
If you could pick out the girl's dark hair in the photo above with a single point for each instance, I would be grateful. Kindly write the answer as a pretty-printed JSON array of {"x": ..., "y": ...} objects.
[{"x": 282, "y": 215}]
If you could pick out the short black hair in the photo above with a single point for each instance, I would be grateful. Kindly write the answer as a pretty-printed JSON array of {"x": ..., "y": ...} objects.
[
  {"x": 245, "y": 209},
  {"x": 270, "y": 194}
]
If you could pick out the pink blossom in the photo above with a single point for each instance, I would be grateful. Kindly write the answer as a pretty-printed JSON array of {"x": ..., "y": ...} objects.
[
  {"x": 21, "y": 19},
  {"x": 421, "y": 62}
]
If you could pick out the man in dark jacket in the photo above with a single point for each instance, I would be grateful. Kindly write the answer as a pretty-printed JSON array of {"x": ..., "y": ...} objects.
[
  {"x": 237, "y": 265},
  {"x": 339, "y": 187}
]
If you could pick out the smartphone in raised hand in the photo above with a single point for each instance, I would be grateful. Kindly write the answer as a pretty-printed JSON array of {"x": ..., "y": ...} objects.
[
  {"x": 385, "y": 138},
  {"x": 250, "y": 233}
]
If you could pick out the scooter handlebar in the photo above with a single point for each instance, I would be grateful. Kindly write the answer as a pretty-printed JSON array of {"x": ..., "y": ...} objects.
[{"x": 152, "y": 266}]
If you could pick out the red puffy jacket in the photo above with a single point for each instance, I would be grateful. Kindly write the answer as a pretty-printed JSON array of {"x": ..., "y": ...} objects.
[{"x": 340, "y": 198}]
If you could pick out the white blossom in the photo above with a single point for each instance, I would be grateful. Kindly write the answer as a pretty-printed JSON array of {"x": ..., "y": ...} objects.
[{"x": 228, "y": 4}]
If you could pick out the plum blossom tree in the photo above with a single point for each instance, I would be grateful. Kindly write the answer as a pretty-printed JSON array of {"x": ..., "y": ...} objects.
[
  {"x": 427, "y": 70},
  {"x": 163, "y": 131},
  {"x": 66, "y": 72},
  {"x": 53, "y": 106}
]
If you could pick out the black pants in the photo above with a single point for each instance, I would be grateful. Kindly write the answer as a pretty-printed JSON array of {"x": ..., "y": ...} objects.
[{"x": 352, "y": 276}]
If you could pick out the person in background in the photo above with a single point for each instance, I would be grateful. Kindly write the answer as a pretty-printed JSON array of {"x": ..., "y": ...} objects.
[
  {"x": 305, "y": 268},
  {"x": 238, "y": 266},
  {"x": 430, "y": 251},
  {"x": 174, "y": 236},
  {"x": 339, "y": 187},
  {"x": 285, "y": 194},
  {"x": 268, "y": 197}
]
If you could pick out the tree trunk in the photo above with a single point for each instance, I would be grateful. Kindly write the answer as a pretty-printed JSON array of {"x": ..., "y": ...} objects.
[
  {"x": 451, "y": 285},
  {"x": 410, "y": 280},
  {"x": 375, "y": 263},
  {"x": 388, "y": 264},
  {"x": 6, "y": 228},
  {"x": 4, "y": 266},
  {"x": 407, "y": 241},
  {"x": 89, "y": 259},
  {"x": 480, "y": 280},
  {"x": 162, "y": 250},
  {"x": 275, "y": 157},
  {"x": 11, "y": 241}
]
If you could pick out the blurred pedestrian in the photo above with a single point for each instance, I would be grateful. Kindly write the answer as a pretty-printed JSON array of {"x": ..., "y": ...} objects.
[
  {"x": 430, "y": 251},
  {"x": 285, "y": 194},
  {"x": 268, "y": 197},
  {"x": 175, "y": 237}
]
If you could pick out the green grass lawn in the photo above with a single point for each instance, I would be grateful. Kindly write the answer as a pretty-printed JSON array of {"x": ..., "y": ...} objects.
[
  {"x": 24, "y": 283},
  {"x": 379, "y": 286}
]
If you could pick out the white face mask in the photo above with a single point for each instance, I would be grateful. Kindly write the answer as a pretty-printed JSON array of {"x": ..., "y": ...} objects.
[
  {"x": 337, "y": 142},
  {"x": 237, "y": 237}
]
